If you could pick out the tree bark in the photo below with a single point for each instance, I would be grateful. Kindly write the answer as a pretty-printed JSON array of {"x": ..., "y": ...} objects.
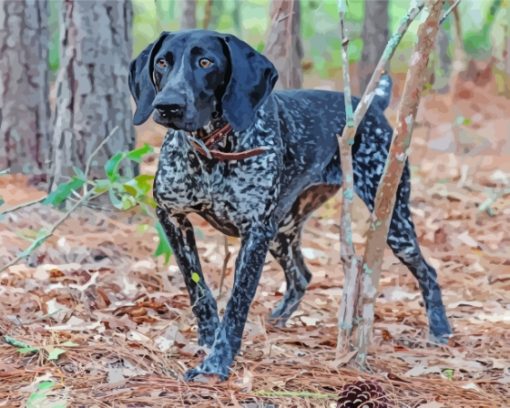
[
  {"x": 375, "y": 38},
  {"x": 24, "y": 105},
  {"x": 283, "y": 45},
  {"x": 189, "y": 14},
  {"x": 92, "y": 91}
]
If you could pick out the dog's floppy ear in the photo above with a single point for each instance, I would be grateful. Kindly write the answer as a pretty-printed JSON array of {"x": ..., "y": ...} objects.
[
  {"x": 141, "y": 84},
  {"x": 252, "y": 79}
]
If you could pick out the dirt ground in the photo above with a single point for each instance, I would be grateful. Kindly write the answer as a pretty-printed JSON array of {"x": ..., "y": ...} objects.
[{"x": 112, "y": 327}]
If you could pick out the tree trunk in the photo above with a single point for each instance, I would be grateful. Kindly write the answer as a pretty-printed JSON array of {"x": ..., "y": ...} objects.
[
  {"x": 236, "y": 17},
  {"x": 189, "y": 14},
  {"x": 445, "y": 61},
  {"x": 92, "y": 90},
  {"x": 375, "y": 37},
  {"x": 213, "y": 10},
  {"x": 24, "y": 105},
  {"x": 283, "y": 45}
]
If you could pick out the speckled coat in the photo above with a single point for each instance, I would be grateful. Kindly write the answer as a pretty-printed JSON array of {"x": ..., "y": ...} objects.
[{"x": 266, "y": 199}]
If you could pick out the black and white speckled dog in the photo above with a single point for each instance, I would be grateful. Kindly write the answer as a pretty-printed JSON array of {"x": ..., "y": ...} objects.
[{"x": 199, "y": 82}]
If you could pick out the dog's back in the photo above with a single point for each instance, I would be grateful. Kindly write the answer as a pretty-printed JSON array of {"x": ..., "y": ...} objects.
[{"x": 310, "y": 122}]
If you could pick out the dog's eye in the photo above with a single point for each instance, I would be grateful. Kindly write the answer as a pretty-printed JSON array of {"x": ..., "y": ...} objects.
[
  {"x": 162, "y": 63},
  {"x": 205, "y": 63}
]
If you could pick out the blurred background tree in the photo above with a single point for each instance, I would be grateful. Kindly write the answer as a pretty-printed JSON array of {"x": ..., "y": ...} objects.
[
  {"x": 375, "y": 36},
  {"x": 283, "y": 46},
  {"x": 88, "y": 55},
  {"x": 189, "y": 15},
  {"x": 92, "y": 92},
  {"x": 24, "y": 86}
]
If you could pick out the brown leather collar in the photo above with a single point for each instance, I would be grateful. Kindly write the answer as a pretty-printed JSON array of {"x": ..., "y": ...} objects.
[{"x": 211, "y": 139}]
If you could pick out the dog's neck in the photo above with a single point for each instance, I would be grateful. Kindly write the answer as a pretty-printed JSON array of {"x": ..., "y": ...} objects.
[
  {"x": 204, "y": 133},
  {"x": 216, "y": 133}
]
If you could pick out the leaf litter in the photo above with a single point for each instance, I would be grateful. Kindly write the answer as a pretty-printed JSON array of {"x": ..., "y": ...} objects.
[{"x": 103, "y": 323}]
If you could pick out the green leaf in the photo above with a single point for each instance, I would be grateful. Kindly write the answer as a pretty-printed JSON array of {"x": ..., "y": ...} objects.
[
  {"x": 448, "y": 373},
  {"x": 164, "y": 249},
  {"x": 63, "y": 191},
  {"x": 149, "y": 201},
  {"x": 55, "y": 353},
  {"x": 195, "y": 277},
  {"x": 38, "y": 398},
  {"x": 45, "y": 385},
  {"x": 2, "y": 201},
  {"x": 14, "y": 342},
  {"x": 79, "y": 173},
  {"x": 116, "y": 201},
  {"x": 28, "y": 350},
  {"x": 140, "y": 185},
  {"x": 141, "y": 228},
  {"x": 137, "y": 154},
  {"x": 127, "y": 202},
  {"x": 102, "y": 185},
  {"x": 111, "y": 167}
]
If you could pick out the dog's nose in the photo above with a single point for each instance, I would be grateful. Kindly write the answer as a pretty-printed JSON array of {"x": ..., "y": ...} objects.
[{"x": 171, "y": 109}]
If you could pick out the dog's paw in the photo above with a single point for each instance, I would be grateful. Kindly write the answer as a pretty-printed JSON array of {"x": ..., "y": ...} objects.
[
  {"x": 440, "y": 330},
  {"x": 277, "y": 319},
  {"x": 440, "y": 338},
  {"x": 208, "y": 370}
]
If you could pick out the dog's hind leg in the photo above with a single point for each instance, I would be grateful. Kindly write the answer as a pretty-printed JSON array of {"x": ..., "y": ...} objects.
[
  {"x": 286, "y": 249},
  {"x": 404, "y": 244}
]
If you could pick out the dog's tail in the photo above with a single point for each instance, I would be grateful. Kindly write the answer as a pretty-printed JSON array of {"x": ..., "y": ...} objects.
[{"x": 382, "y": 95}]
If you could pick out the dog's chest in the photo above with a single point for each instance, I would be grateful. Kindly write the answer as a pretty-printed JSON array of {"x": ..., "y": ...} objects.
[{"x": 229, "y": 194}]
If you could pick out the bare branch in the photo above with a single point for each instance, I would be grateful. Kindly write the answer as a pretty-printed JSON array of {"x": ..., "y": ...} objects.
[
  {"x": 87, "y": 195},
  {"x": 226, "y": 258},
  {"x": 448, "y": 12},
  {"x": 396, "y": 161},
  {"x": 23, "y": 205},
  {"x": 43, "y": 238},
  {"x": 347, "y": 251},
  {"x": 350, "y": 261}
]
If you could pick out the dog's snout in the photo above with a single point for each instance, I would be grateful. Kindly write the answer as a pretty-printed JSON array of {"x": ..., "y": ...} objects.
[{"x": 170, "y": 105}]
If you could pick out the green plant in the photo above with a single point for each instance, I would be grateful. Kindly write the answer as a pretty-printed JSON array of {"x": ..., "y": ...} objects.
[{"x": 125, "y": 193}]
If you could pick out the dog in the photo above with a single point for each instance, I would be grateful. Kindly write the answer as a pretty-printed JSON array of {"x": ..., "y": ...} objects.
[{"x": 255, "y": 164}]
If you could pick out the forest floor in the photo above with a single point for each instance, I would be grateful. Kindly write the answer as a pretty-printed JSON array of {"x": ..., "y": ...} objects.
[{"x": 109, "y": 325}]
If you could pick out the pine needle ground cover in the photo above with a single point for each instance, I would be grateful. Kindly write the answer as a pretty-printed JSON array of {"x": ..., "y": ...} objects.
[{"x": 93, "y": 320}]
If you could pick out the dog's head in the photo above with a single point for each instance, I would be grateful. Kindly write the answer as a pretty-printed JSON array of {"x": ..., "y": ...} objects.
[{"x": 188, "y": 78}]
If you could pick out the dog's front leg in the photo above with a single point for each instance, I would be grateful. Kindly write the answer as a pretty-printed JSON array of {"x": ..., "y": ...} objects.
[
  {"x": 182, "y": 240},
  {"x": 249, "y": 263}
]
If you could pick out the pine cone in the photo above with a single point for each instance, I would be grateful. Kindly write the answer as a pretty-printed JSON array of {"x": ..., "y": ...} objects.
[{"x": 362, "y": 394}]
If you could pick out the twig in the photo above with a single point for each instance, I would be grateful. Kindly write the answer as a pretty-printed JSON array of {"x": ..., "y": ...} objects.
[
  {"x": 85, "y": 197},
  {"x": 448, "y": 12},
  {"x": 396, "y": 161},
  {"x": 23, "y": 205},
  {"x": 228, "y": 254},
  {"x": 43, "y": 238},
  {"x": 347, "y": 251},
  {"x": 296, "y": 394},
  {"x": 94, "y": 153}
]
